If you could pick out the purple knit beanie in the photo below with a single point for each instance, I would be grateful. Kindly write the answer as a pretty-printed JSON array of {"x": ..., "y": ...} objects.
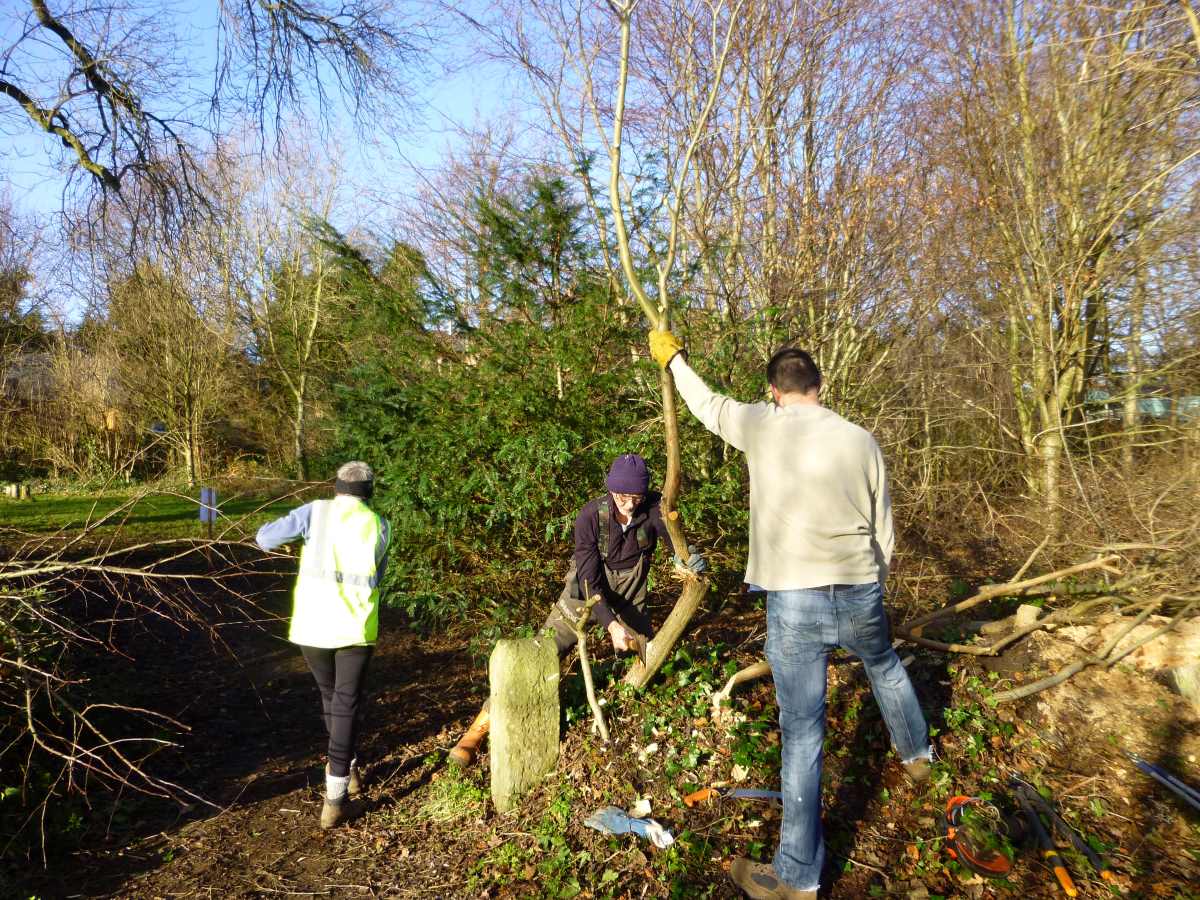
[{"x": 628, "y": 475}]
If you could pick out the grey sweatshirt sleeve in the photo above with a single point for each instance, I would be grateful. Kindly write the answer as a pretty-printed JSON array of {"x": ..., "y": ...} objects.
[
  {"x": 721, "y": 415},
  {"x": 885, "y": 536},
  {"x": 288, "y": 528}
]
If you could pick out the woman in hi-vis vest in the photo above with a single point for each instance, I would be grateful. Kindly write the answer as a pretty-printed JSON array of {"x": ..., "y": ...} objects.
[{"x": 335, "y": 614}]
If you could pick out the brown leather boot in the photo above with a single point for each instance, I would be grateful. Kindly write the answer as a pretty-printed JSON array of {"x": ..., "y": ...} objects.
[
  {"x": 335, "y": 812},
  {"x": 918, "y": 770},
  {"x": 759, "y": 882},
  {"x": 467, "y": 748}
]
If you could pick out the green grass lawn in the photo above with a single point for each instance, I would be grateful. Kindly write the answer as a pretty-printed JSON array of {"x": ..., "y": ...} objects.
[{"x": 147, "y": 515}]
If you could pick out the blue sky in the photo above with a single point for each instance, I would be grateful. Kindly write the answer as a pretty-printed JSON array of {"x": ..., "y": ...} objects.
[
  {"x": 449, "y": 94},
  {"x": 380, "y": 171}
]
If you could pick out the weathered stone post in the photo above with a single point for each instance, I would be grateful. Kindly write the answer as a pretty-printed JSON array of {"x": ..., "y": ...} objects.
[{"x": 524, "y": 705}]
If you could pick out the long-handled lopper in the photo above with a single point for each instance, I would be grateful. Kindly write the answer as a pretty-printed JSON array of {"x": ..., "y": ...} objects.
[
  {"x": 1060, "y": 824},
  {"x": 1045, "y": 844},
  {"x": 715, "y": 793},
  {"x": 1167, "y": 780}
]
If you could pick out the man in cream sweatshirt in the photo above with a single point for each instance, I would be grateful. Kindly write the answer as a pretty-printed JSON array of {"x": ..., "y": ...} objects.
[{"x": 820, "y": 544}]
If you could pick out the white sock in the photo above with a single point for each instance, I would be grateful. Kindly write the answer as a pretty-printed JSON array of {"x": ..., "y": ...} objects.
[{"x": 335, "y": 787}]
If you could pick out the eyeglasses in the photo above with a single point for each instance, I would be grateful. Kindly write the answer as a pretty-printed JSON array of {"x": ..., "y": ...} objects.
[{"x": 629, "y": 498}]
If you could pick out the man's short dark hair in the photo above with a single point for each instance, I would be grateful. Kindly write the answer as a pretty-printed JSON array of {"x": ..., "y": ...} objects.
[{"x": 792, "y": 371}]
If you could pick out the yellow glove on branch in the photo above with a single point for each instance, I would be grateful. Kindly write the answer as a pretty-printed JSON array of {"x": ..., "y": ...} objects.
[{"x": 663, "y": 347}]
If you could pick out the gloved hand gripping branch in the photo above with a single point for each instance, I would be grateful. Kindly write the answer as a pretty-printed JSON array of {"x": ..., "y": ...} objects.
[
  {"x": 694, "y": 564},
  {"x": 663, "y": 347}
]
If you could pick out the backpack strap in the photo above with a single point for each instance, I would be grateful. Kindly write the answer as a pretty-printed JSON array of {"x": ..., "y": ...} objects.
[
  {"x": 643, "y": 536},
  {"x": 603, "y": 514}
]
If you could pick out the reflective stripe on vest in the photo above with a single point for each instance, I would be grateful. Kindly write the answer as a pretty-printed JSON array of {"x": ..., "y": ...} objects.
[{"x": 336, "y": 601}]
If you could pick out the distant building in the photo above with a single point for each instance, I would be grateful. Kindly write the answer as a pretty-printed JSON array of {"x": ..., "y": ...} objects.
[{"x": 1100, "y": 404}]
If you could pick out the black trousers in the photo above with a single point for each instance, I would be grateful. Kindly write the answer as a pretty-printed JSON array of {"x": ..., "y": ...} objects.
[{"x": 341, "y": 675}]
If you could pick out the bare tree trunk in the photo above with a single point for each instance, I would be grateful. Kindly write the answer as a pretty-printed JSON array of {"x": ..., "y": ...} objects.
[
  {"x": 659, "y": 649},
  {"x": 695, "y": 587},
  {"x": 1050, "y": 453},
  {"x": 299, "y": 456},
  {"x": 1133, "y": 373},
  {"x": 188, "y": 461}
]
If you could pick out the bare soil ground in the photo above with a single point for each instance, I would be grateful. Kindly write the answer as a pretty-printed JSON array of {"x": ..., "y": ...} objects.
[{"x": 255, "y": 750}]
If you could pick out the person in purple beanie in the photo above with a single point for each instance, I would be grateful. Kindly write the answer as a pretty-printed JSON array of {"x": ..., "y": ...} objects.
[{"x": 615, "y": 537}]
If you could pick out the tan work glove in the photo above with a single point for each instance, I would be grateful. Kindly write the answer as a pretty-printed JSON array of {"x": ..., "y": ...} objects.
[{"x": 663, "y": 347}]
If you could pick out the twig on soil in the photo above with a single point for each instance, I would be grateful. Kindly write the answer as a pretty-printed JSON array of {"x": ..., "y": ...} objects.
[
  {"x": 580, "y": 626},
  {"x": 1114, "y": 548},
  {"x": 863, "y": 865},
  {"x": 1070, "y": 792},
  {"x": 399, "y": 766},
  {"x": 260, "y": 887}
]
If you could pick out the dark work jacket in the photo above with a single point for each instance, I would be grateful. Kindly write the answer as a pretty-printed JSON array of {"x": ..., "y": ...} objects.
[{"x": 623, "y": 550}]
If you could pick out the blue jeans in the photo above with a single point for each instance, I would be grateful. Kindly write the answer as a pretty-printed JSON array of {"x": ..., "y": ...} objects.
[{"x": 802, "y": 627}]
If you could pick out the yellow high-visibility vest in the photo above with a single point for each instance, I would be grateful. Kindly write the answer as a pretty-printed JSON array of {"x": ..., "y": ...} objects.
[{"x": 336, "y": 601}]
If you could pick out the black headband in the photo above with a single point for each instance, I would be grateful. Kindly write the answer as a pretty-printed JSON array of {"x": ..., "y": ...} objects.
[{"x": 361, "y": 489}]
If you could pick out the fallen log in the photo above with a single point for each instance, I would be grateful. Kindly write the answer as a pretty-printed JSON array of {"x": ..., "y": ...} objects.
[
  {"x": 758, "y": 670},
  {"x": 750, "y": 673}
]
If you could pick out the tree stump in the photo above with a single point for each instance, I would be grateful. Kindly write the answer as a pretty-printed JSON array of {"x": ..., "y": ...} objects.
[
  {"x": 1186, "y": 681},
  {"x": 524, "y": 704},
  {"x": 1026, "y": 615}
]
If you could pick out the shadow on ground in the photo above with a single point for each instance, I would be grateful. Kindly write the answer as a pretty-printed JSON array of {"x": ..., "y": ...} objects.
[{"x": 254, "y": 748}]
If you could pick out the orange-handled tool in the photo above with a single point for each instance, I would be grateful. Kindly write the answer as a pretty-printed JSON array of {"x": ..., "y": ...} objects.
[
  {"x": 1047, "y": 846},
  {"x": 1061, "y": 825},
  {"x": 712, "y": 793}
]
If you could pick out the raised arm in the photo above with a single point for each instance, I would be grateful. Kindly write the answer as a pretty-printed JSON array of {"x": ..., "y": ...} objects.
[
  {"x": 723, "y": 416},
  {"x": 288, "y": 528}
]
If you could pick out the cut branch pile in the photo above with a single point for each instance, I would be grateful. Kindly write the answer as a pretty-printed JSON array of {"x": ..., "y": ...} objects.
[
  {"x": 1107, "y": 656},
  {"x": 1100, "y": 595},
  {"x": 912, "y": 630},
  {"x": 60, "y": 604}
]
